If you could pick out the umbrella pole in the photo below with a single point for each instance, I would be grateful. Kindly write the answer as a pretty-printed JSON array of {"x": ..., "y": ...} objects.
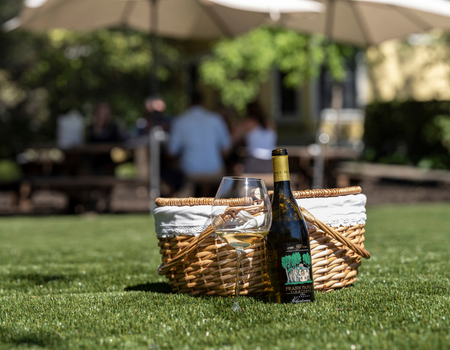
[
  {"x": 154, "y": 84},
  {"x": 156, "y": 135},
  {"x": 156, "y": 132},
  {"x": 319, "y": 158}
]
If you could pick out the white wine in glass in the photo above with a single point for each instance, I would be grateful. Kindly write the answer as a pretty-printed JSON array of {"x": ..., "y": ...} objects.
[
  {"x": 241, "y": 239},
  {"x": 241, "y": 215}
]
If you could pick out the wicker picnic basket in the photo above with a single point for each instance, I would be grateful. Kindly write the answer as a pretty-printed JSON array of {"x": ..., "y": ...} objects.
[{"x": 203, "y": 264}]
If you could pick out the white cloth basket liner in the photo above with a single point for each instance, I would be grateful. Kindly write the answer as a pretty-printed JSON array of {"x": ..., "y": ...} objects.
[{"x": 339, "y": 211}]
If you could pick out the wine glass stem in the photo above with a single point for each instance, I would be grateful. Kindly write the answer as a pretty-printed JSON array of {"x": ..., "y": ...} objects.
[{"x": 236, "y": 289}]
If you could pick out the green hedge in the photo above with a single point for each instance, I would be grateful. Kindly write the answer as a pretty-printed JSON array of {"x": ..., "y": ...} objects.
[{"x": 413, "y": 133}]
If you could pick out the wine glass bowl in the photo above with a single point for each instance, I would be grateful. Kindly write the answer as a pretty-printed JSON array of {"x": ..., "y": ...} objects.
[{"x": 241, "y": 215}]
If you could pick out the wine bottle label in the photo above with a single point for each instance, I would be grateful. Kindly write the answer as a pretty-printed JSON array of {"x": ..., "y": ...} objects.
[
  {"x": 280, "y": 168},
  {"x": 296, "y": 280}
]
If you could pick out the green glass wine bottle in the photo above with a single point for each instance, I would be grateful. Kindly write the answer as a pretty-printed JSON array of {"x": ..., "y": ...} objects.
[{"x": 289, "y": 253}]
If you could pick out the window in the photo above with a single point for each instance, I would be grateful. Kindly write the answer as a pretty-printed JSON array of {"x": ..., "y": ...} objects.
[
  {"x": 286, "y": 99},
  {"x": 348, "y": 87}
]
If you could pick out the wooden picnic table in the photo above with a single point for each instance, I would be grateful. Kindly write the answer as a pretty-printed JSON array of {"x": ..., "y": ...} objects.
[
  {"x": 301, "y": 164},
  {"x": 85, "y": 174},
  {"x": 330, "y": 152},
  {"x": 93, "y": 148}
]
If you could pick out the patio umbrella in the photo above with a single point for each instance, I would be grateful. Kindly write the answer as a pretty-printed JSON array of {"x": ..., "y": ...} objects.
[
  {"x": 181, "y": 19},
  {"x": 369, "y": 22},
  {"x": 361, "y": 22},
  {"x": 276, "y": 9}
]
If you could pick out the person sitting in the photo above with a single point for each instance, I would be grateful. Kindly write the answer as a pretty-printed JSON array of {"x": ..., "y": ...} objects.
[
  {"x": 260, "y": 139},
  {"x": 103, "y": 130},
  {"x": 201, "y": 139},
  {"x": 155, "y": 108}
]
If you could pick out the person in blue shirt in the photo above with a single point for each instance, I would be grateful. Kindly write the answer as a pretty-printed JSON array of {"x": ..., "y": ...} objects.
[
  {"x": 260, "y": 139},
  {"x": 201, "y": 139}
]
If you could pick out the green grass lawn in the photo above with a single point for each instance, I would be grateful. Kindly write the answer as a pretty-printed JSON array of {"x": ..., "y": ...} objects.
[{"x": 91, "y": 283}]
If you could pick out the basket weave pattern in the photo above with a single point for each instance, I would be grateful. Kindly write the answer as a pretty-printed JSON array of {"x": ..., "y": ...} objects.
[
  {"x": 334, "y": 265},
  {"x": 210, "y": 266}
]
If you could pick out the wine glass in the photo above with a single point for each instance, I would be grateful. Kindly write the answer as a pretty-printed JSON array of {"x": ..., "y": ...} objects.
[{"x": 241, "y": 215}]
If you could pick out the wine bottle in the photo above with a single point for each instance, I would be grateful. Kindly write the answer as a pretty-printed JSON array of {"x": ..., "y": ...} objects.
[{"x": 288, "y": 250}]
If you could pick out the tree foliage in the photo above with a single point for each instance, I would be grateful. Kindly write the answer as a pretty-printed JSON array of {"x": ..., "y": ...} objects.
[
  {"x": 408, "y": 133},
  {"x": 443, "y": 124},
  {"x": 45, "y": 74},
  {"x": 240, "y": 65},
  {"x": 78, "y": 68}
]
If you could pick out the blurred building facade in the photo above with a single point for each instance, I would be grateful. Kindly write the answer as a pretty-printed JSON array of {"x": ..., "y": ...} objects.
[
  {"x": 296, "y": 112},
  {"x": 414, "y": 69}
]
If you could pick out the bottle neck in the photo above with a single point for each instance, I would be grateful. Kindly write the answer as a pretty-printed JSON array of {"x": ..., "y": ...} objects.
[
  {"x": 281, "y": 178},
  {"x": 280, "y": 169}
]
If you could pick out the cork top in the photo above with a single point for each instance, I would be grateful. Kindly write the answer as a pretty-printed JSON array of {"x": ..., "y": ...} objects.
[{"x": 279, "y": 152}]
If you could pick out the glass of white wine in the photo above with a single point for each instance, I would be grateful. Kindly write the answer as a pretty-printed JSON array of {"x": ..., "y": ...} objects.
[{"x": 241, "y": 215}]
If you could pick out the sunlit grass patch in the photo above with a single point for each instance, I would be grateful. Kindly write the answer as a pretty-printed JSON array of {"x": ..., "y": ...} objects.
[{"x": 91, "y": 283}]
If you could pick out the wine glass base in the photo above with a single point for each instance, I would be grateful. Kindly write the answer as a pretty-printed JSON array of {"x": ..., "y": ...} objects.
[{"x": 236, "y": 307}]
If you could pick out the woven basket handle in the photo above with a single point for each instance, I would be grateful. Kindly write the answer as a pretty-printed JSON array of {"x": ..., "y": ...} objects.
[
  {"x": 163, "y": 269},
  {"x": 181, "y": 202},
  {"x": 332, "y": 232}
]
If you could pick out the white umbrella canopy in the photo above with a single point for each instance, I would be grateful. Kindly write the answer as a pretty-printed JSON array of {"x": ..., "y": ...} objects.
[
  {"x": 176, "y": 18},
  {"x": 370, "y": 22},
  {"x": 182, "y": 19},
  {"x": 274, "y": 8}
]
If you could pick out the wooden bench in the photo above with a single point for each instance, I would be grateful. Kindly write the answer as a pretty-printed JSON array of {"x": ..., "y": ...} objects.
[
  {"x": 348, "y": 171},
  {"x": 84, "y": 193}
]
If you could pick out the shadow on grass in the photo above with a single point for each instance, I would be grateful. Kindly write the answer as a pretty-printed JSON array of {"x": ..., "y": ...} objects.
[
  {"x": 262, "y": 298},
  {"x": 38, "y": 278},
  {"x": 156, "y": 287},
  {"x": 29, "y": 340}
]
